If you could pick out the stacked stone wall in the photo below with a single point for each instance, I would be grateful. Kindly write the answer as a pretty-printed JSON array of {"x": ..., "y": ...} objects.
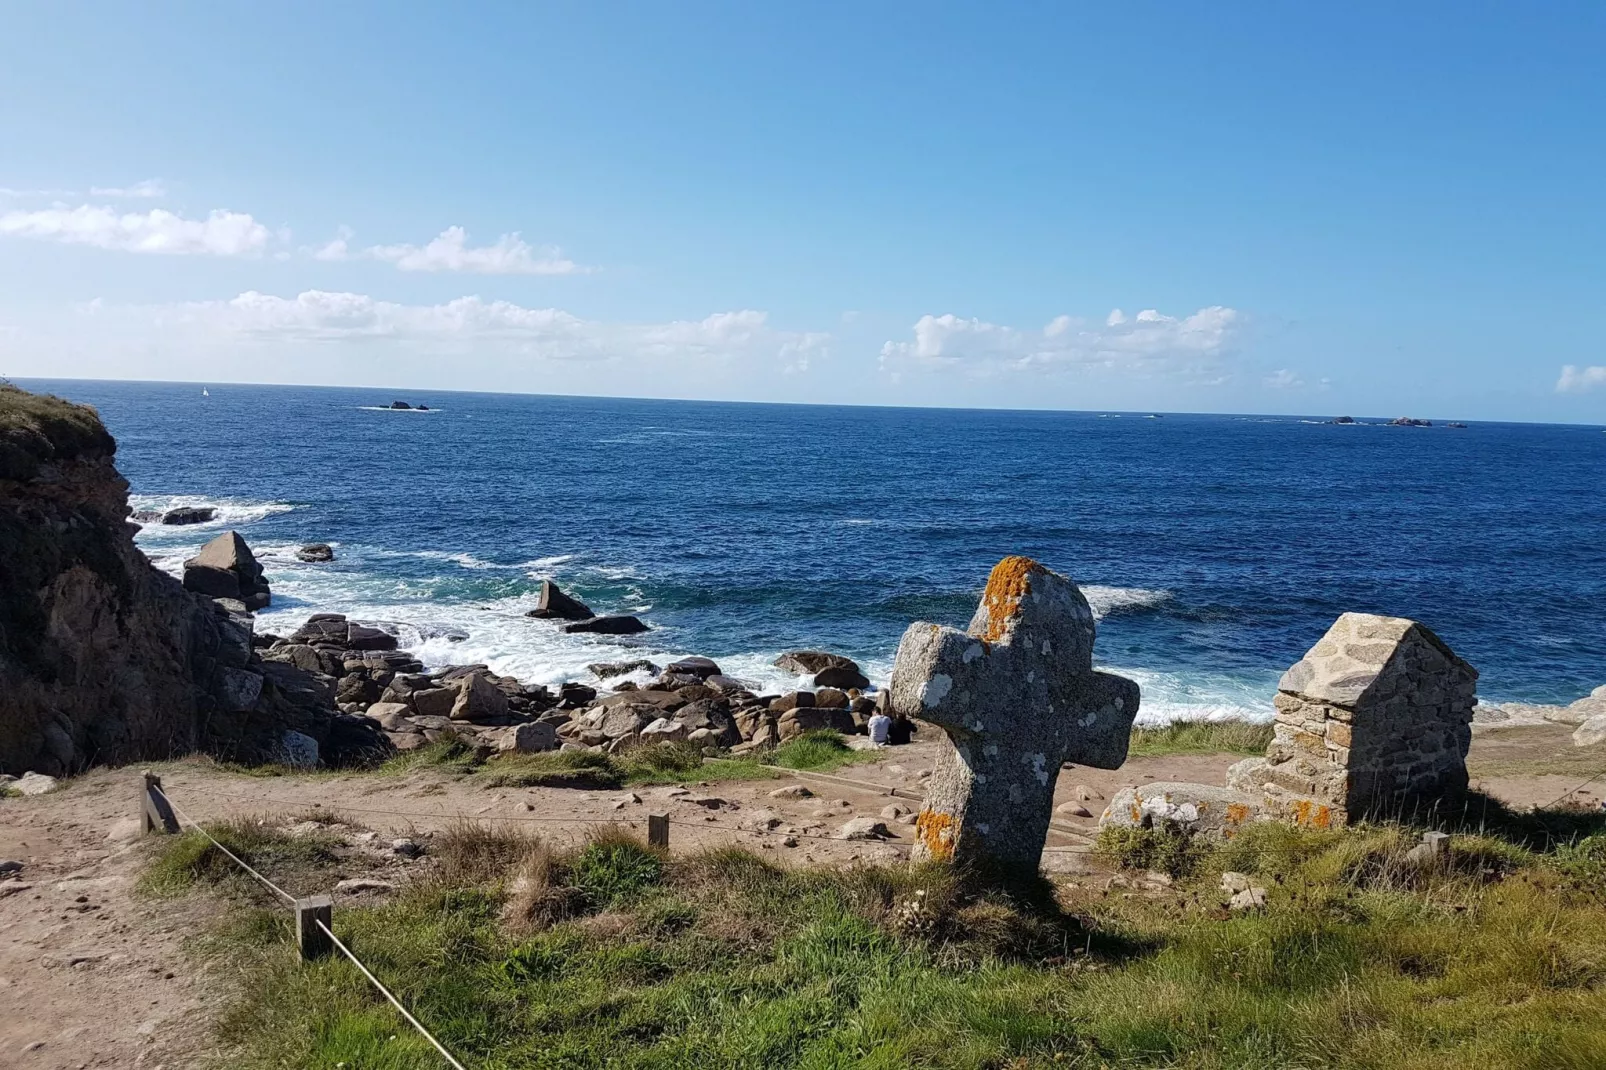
[{"x": 1376, "y": 718}]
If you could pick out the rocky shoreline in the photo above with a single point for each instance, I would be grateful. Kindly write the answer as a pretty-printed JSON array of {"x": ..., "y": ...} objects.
[{"x": 690, "y": 700}]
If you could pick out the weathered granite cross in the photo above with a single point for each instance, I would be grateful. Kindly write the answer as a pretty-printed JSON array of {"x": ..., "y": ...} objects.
[{"x": 1017, "y": 696}]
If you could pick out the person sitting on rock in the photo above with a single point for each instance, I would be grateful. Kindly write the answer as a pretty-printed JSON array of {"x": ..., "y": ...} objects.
[{"x": 880, "y": 728}]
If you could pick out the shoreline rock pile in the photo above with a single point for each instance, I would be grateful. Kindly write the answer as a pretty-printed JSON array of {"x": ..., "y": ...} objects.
[{"x": 689, "y": 700}]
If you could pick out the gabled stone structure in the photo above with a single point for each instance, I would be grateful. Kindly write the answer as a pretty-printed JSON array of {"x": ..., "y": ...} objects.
[{"x": 1375, "y": 719}]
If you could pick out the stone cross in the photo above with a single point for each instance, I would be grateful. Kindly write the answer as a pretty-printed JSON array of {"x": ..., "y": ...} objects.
[{"x": 1017, "y": 695}]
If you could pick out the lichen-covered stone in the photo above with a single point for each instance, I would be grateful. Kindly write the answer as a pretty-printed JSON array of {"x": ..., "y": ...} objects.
[
  {"x": 1376, "y": 716},
  {"x": 1017, "y": 696},
  {"x": 1193, "y": 808}
]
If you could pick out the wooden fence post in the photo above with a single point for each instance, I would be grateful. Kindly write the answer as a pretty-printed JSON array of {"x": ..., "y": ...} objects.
[
  {"x": 155, "y": 814},
  {"x": 312, "y": 941},
  {"x": 658, "y": 831}
]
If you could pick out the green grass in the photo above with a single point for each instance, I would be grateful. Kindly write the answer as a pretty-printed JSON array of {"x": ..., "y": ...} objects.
[
  {"x": 615, "y": 956},
  {"x": 1200, "y": 737},
  {"x": 295, "y": 863}
]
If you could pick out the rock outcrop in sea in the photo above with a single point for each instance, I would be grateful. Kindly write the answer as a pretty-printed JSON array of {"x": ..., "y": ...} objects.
[{"x": 103, "y": 657}]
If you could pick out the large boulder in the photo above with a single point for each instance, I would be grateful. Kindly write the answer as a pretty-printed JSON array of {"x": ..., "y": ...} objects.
[
  {"x": 553, "y": 604},
  {"x": 1591, "y": 732},
  {"x": 708, "y": 714},
  {"x": 621, "y": 625},
  {"x": 828, "y": 670},
  {"x": 795, "y": 722},
  {"x": 478, "y": 700},
  {"x": 316, "y": 553},
  {"x": 226, "y": 568},
  {"x": 189, "y": 514},
  {"x": 701, "y": 668}
]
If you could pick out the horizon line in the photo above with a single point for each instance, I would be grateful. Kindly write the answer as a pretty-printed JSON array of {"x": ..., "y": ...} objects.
[{"x": 1141, "y": 413}]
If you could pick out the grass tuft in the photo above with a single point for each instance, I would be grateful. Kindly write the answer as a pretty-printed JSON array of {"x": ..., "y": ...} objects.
[
  {"x": 191, "y": 859},
  {"x": 1200, "y": 737}
]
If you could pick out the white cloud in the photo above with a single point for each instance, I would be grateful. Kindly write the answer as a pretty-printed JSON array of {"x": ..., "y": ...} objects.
[
  {"x": 511, "y": 255},
  {"x": 338, "y": 249},
  {"x": 1576, "y": 380},
  {"x": 322, "y": 317},
  {"x": 1283, "y": 379},
  {"x": 221, "y": 233},
  {"x": 151, "y": 188},
  {"x": 1148, "y": 343}
]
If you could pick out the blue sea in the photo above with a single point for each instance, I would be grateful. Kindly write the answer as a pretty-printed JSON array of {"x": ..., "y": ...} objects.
[{"x": 1215, "y": 549}]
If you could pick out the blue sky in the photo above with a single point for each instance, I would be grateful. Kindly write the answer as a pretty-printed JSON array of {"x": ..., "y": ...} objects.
[{"x": 1370, "y": 209}]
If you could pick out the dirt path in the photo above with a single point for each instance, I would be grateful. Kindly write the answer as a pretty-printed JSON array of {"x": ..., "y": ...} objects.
[{"x": 94, "y": 975}]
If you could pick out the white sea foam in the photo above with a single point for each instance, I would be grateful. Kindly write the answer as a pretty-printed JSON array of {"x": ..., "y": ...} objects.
[
  {"x": 1107, "y": 600},
  {"x": 1169, "y": 697},
  {"x": 231, "y": 512}
]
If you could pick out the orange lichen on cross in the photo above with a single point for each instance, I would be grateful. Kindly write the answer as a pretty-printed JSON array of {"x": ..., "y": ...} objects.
[
  {"x": 936, "y": 831},
  {"x": 1011, "y": 580}
]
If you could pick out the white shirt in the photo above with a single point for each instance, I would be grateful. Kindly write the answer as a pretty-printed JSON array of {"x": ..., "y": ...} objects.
[{"x": 880, "y": 728}]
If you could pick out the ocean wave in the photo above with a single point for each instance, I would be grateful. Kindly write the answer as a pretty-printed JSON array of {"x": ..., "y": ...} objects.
[
  {"x": 1114, "y": 601},
  {"x": 1168, "y": 697},
  {"x": 230, "y": 511}
]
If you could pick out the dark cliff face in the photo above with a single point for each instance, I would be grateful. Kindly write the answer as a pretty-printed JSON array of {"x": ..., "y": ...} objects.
[{"x": 104, "y": 658}]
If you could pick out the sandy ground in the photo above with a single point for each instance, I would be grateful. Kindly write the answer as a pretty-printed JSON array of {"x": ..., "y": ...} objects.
[{"x": 94, "y": 975}]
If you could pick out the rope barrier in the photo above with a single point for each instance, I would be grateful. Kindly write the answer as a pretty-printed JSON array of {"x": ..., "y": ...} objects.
[
  {"x": 286, "y": 896},
  {"x": 394, "y": 1002},
  {"x": 1574, "y": 791}
]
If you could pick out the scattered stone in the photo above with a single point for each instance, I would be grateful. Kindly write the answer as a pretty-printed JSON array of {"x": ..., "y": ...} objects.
[
  {"x": 1018, "y": 697},
  {"x": 9, "y": 868},
  {"x": 711, "y": 802},
  {"x": 406, "y": 848},
  {"x": 316, "y": 553},
  {"x": 1073, "y": 809},
  {"x": 863, "y": 828},
  {"x": 1251, "y": 898},
  {"x": 1083, "y": 793},
  {"x": 359, "y": 885},
  {"x": 14, "y": 888},
  {"x": 1194, "y": 808},
  {"x": 34, "y": 784},
  {"x": 894, "y": 811},
  {"x": 792, "y": 791},
  {"x": 553, "y": 604},
  {"x": 1377, "y": 715},
  {"x": 762, "y": 821},
  {"x": 1429, "y": 851}
]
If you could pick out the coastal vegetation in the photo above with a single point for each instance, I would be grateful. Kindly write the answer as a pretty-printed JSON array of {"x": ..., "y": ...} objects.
[{"x": 521, "y": 954}]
